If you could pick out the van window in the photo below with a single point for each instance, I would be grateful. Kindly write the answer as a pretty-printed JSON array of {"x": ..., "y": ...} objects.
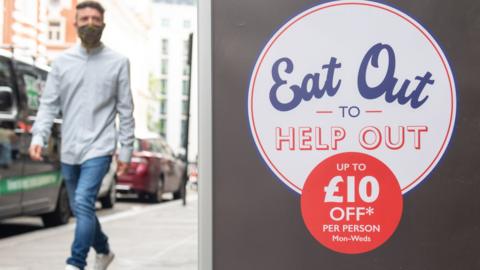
[
  {"x": 6, "y": 95},
  {"x": 31, "y": 80},
  {"x": 33, "y": 88},
  {"x": 5, "y": 72},
  {"x": 6, "y": 100}
]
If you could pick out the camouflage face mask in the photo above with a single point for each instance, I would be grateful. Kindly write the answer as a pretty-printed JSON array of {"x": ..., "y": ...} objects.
[{"x": 90, "y": 35}]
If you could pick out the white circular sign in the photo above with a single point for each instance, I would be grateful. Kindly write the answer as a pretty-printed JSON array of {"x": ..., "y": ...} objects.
[{"x": 349, "y": 76}]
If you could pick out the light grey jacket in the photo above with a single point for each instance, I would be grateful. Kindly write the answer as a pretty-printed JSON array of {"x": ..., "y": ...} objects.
[{"x": 89, "y": 89}]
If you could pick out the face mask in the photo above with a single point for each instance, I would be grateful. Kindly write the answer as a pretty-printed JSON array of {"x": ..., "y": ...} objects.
[{"x": 90, "y": 35}]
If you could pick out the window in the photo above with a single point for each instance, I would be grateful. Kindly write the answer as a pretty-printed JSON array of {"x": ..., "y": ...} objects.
[
  {"x": 160, "y": 146},
  {"x": 184, "y": 132},
  {"x": 186, "y": 68},
  {"x": 6, "y": 99},
  {"x": 31, "y": 81},
  {"x": 187, "y": 24},
  {"x": 163, "y": 106},
  {"x": 5, "y": 73},
  {"x": 164, "y": 46},
  {"x": 185, "y": 87},
  {"x": 7, "y": 104},
  {"x": 166, "y": 148},
  {"x": 34, "y": 87},
  {"x": 56, "y": 31},
  {"x": 156, "y": 146},
  {"x": 163, "y": 127},
  {"x": 165, "y": 22},
  {"x": 186, "y": 55},
  {"x": 2, "y": 19},
  {"x": 184, "y": 107},
  {"x": 163, "y": 86},
  {"x": 27, "y": 11},
  {"x": 164, "y": 67},
  {"x": 145, "y": 145},
  {"x": 186, "y": 47}
]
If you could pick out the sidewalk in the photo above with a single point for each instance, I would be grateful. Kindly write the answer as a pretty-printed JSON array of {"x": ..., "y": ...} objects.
[{"x": 162, "y": 236}]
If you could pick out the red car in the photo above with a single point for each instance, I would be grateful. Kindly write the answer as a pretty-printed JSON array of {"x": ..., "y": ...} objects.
[{"x": 154, "y": 170}]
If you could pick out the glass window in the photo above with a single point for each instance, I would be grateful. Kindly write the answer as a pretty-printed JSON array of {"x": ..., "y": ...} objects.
[
  {"x": 34, "y": 88},
  {"x": 163, "y": 127},
  {"x": 165, "y": 22},
  {"x": 184, "y": 107},
  {"x": 164, "y": 67},
  {"x": 27, "y": 10},
  {"x": 186, "y": 68},
  {"x": 187, "y": 24},
  {"x": 155, "y": 147},
  {"x": 32, "y": 83},
  {"x": 184, "y": 132},
  {"x": 56, "y": 31},
  {"x": 167, "y": 150},
  {"x": 136, "y": 145},
  {"x": 164, "y": 46},
  {"x": 5, "y": 73},
  {"x": 145, "y": 145},
  {"x": 185, "y": 87},
  {"x": 163, "y": 106},
  {"x": 6, "y": 99},
  {"x": 186, "y": 47},
  {"x": 163, "y": 86}
]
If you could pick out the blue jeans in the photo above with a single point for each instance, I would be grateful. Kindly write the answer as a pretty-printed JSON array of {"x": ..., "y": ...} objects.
[{"x": 83, "y": 183}]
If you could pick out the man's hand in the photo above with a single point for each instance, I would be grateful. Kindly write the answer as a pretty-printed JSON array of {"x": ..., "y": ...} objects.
[
  {"x": 35, "y": 151},
  {"x": 121, "y": 167}
]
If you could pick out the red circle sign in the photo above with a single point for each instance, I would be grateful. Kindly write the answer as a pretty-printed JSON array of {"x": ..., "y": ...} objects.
[{"x": 351, "y": 203}]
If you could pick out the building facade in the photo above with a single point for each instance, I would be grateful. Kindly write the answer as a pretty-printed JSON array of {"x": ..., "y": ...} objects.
[
  {"x": 153, "y": 34},
  {"x": 170, "y": 74},
  {"x": 37, "y": 28}
]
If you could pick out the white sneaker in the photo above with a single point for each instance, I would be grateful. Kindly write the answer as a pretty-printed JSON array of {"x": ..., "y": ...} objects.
[
  {"x": 102, "y": 261},
  {"x": 71, "y": 267}
]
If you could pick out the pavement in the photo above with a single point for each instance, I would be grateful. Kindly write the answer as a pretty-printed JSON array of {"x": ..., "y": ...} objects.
[{"x": 162, "y": 237}]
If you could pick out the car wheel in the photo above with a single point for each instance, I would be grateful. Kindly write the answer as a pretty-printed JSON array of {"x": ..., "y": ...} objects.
[
  {"x": 156, "y": 196},
  {"x": 182, "y": 187},
  {"x": 62, "y": 213},
  {"x": 109, "y": 200},
  {"x": 144, "y": 197}
]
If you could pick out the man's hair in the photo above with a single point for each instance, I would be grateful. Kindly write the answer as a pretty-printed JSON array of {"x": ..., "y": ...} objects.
[{"x": 91, "y": 4}]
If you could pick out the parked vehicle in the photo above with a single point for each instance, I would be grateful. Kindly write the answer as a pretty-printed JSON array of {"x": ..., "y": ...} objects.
[
  {"x": 153, "y": 171},
  {"x": 27, "y": 187},
  {"x": 107, "y": 195},
  {"x": 32, "y": 187}
]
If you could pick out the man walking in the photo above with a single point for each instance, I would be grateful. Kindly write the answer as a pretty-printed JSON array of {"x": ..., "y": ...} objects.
[{"x": 89, "y": 84}]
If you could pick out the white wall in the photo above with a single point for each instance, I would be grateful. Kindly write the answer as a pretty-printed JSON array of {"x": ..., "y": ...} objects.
[
  {"x": 176, "y": 32},
  {"x": 128, "y": 35}
]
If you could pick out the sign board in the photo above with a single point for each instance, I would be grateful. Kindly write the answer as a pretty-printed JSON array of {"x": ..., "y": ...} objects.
[{"x": 339, "y": 128}]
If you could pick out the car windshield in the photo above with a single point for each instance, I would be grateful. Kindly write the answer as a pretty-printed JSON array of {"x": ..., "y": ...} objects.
[{"x": 151, "y": 145}]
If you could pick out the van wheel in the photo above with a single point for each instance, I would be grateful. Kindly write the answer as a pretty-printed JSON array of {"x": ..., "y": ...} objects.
[
  {"x": 109, "y": 200},
  {"x": 177, "y": 194},
  {"x": 62, "y": 213}
]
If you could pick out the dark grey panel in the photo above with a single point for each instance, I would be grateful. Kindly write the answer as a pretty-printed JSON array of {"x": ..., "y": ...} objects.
[{"x": 257, "y": 222}]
